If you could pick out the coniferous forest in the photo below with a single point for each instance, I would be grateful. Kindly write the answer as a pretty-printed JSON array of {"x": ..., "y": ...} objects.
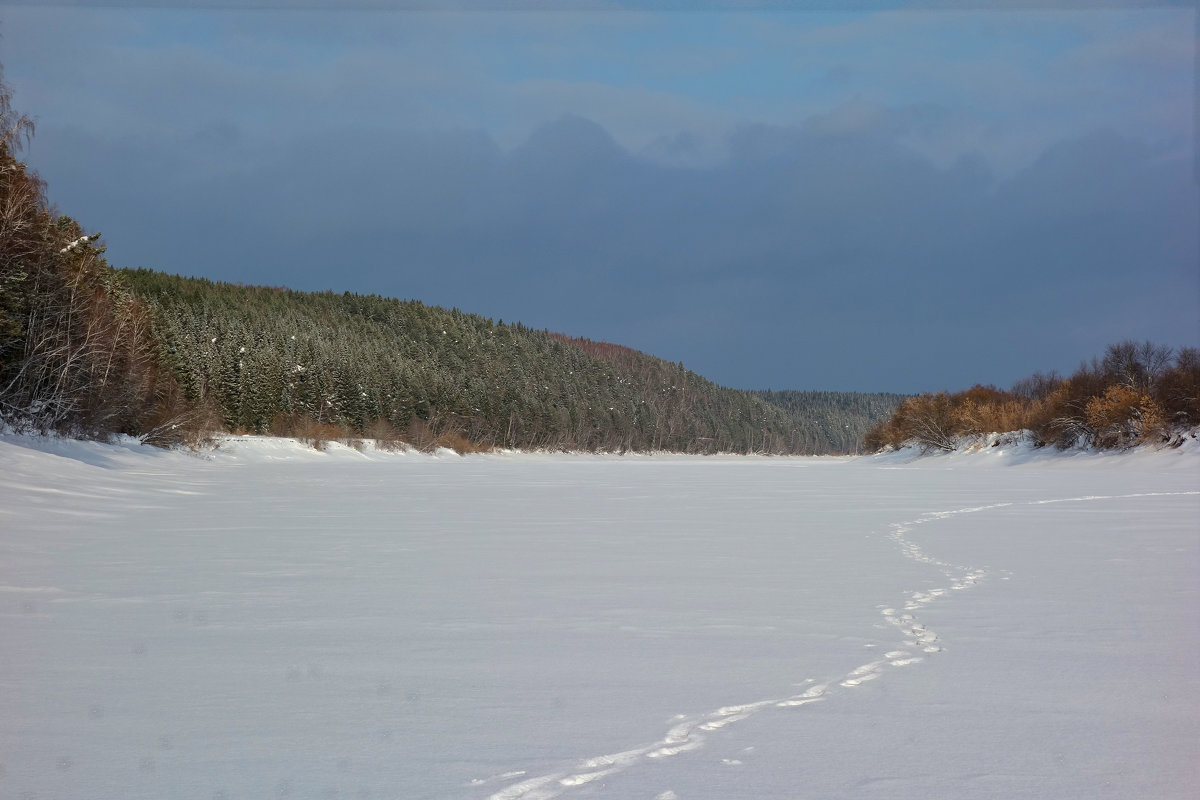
[{"x": 267, "y": 360}]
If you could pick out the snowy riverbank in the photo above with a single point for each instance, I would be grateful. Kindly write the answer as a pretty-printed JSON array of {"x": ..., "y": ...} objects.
[{"x": 267, "y": 620}]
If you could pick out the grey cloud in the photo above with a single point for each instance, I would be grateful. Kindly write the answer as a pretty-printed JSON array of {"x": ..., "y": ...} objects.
[
  {"x": 684, "y": 148},
  {"x": 609, "y": 5},
  {"x": 811, "y": 258}
]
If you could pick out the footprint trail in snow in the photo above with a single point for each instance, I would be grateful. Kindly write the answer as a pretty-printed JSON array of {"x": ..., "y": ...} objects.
[{"x": 690, "y": 732}]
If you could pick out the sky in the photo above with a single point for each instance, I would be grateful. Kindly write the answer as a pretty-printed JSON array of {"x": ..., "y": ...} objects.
[{"x": 894, "y": 197}]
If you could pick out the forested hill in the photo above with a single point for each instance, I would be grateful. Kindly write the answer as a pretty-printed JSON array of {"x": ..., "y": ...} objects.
[
  {"x": 270, "y": 360},
  {"x": 833, "y": 422},
  {"x": 87, "y": 350}
]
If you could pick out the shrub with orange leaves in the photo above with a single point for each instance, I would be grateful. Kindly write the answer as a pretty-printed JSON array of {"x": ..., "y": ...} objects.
[{"x": 1123, "y": 417}]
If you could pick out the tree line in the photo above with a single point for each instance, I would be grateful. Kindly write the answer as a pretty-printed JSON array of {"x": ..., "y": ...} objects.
[
  {"x": 1136, "y": 393},
  {"x": 76, "y": 351},
  {"x": 272, "y": 360},
  {"x": 833, "y": 422}
]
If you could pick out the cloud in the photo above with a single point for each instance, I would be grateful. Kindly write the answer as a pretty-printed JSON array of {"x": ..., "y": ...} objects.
[
  {"x": 854, "y": 204},
  {"x": 1006, "y": 85},
  {"x": 812, "y": 246}
]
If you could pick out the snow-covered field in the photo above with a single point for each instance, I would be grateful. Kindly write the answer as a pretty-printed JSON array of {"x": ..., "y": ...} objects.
[{"x": 274, "y": 622}]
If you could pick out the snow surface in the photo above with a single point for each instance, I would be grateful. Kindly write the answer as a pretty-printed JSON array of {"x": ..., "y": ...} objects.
[{"x": 270, "y": 621}]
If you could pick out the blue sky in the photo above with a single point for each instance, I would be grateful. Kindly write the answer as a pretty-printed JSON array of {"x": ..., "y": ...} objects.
[{"x": 887, "y": 199}]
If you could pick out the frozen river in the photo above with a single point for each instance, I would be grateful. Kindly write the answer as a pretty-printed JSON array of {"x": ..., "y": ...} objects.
[{"x": 275, "y": 622}]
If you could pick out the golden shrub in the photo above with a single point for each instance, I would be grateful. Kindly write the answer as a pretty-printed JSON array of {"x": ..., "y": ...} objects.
[{"x": 1123, "y": 416}]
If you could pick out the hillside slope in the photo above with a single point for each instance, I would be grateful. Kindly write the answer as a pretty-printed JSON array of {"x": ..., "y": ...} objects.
[
  {"x": 834, "y": 422},
  {"x": 90, "y": 351},
  {"x": 276, "y": 360}
]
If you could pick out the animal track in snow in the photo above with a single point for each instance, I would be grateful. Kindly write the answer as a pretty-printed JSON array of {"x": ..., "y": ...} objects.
[
  {"x": 916, "y": 635},
  {"x": 688, "y": 732},
  {"x": 585, "y": 777},
  {"x": 532, "y": 789},
  {"x": 904, "y": 662},
  {"x": 860, "y": 675},
  {"x": 814, "y": 694}
]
